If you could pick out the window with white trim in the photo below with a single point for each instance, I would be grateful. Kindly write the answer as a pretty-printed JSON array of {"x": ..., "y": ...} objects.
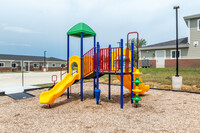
[
  {"x": 36, "y": 65},
  {"x": 14, "y": 65},
  {"x": 173, "y": 54},
  {"x": 198, "y": 24},
  {"x": 2, "y": 64},
  {"x": 54, "y": 65}
]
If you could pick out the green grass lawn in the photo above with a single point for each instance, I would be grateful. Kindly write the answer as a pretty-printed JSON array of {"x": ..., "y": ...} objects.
[{"x": 191, "y": 76}]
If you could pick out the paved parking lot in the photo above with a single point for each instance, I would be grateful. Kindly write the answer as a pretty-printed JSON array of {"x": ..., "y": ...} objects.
[{"x": 12, "y": 82}]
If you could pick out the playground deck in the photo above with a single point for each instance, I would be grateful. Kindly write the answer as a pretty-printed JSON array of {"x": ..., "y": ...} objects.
[{"x": 161, "y": 111}]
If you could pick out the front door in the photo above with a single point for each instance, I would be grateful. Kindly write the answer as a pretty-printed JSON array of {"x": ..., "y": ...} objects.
[{"x": 160, "y": 58}]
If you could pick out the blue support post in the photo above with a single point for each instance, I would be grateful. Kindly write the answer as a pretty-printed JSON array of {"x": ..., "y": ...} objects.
[
  {"x": 132, "y": 65},
  {"x": 97, "y": 74},
  {"x": 94, "y": 64},
  {"x": 109, "y": 71},
  {"x": 68, "y": 62},
  {"x": 122, "y": 74},
  {"x": 81, "y": 66}
]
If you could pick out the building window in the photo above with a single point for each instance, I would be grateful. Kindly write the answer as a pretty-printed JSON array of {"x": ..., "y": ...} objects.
[
  {"x": 173, "y": 54},
  {"x": 36, "y": 65},
  {"x": 53, "y": 65},
  {"x": 62, "y": 65},
  {"x": 198, "y": 24},
  {"x": 2, "y": 64},
  {"x": 195, "y": 43},
  {"x": 14, "y": 65}
]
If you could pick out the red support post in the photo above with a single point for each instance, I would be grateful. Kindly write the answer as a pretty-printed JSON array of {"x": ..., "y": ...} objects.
[
  {"x": 137, "y": 43},
  {"x": 53, "y": 78}
]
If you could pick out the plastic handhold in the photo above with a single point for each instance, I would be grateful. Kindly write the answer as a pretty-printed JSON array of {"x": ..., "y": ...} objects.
[
  {"x": 137, "y": 91},
  {"x": 137, "y": 73},
  {"x": 137, "y": 81},
  {"x": 137, "y": 99}
]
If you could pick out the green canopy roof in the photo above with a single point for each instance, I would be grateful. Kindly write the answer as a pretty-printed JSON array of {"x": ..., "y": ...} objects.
[{"x": 81, "y": 27}]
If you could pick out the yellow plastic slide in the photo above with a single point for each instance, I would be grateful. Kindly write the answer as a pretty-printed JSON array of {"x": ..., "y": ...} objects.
[
  {"x": 50, "y": 96},
  {"x": 127, "y": 78},
  {"x": 127, "y": 83}
]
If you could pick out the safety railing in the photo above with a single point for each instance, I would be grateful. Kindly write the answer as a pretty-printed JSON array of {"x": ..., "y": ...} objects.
[
  {"x": 109, "y": 59},
  {"x": 89, "y": 62},
  {"x": 114, "y": 56}
]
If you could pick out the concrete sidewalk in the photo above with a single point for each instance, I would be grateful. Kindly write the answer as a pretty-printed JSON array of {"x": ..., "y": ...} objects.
[{"x": 12, "y": 82}]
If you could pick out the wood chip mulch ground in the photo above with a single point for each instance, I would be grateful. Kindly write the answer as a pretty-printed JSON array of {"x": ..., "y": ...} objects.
[{"x": 160, "y": 111}]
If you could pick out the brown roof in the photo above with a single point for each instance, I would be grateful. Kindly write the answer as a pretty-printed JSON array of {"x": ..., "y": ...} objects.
[{"x": 28, "y": 58}]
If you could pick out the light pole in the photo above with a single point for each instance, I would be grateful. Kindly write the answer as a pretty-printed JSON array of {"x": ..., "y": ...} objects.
[
  {"x": 177, "y": 53},
  {"x": 177, "y": 80},
  {"x": 22, "y": 68},
  {"x": 45, "y": 60}
]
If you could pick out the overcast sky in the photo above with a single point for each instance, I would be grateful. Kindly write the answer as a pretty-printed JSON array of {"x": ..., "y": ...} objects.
[{"x": 28, "y": 27}]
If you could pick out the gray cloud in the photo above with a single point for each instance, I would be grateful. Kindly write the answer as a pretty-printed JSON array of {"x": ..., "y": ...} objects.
[
  {"x": 14, "y": 44},
  {"x": 17, "y": 29},
  {"x": 110, "y": 19}
]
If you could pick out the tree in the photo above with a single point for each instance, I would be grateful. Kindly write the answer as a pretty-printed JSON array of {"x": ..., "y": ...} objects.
[{"x": 142, "y": 43}]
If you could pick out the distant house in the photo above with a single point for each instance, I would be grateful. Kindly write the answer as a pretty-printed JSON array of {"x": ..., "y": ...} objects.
[
  {"x": 164, "y": 54},
  {"x": 12, "y": 63}
]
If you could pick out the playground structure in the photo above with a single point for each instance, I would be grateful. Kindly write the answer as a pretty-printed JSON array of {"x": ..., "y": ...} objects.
[{"x": 95, "y": 63}]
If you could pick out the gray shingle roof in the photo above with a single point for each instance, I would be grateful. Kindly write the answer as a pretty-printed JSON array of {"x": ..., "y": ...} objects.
[
  {"x": 192, "y": 16},
  {"x": 182, "y": 41},
  {"x": 28, "y": 58}
]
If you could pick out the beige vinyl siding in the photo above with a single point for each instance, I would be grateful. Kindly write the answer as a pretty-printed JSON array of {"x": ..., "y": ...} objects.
[
  {"x": 194, "y": 52},
  {"x": 168, "y": 53},
  {"x": 184, "y": 53},
  {"x": 148, "y": 54},
  {"x": 6, "y": 63}
]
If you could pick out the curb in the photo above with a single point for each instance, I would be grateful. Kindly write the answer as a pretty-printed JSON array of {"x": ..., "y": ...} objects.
[{"x": 176, "y": 90}]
